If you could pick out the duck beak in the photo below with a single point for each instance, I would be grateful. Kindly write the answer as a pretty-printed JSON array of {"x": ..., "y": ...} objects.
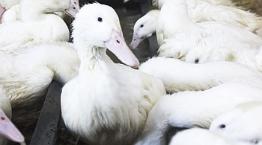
[
  {"x": 118, "y": 46},
  {"x": 73, "y": 8},
  {"x": 2, "y": 10},
  {"x": 8, "y": 129},
  {"x": 135, "y": 42}
]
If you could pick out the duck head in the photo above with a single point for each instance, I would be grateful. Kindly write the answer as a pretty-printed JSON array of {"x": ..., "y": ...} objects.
[
  {"x": 241, "y": 125},
  {"x": 73, "y": 8},
  {"x": 158, "y": 3},
  {"x": 97, "y": 26},
  {"x": 8, "y": 129},
  {"x": 144, "y": 27}
]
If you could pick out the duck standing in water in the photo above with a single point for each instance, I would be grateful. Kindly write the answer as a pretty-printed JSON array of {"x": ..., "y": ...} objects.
[{"x": 106, "y": 103}]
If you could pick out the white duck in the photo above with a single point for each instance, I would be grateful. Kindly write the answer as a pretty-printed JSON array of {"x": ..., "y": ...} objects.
[
  {"x": 14, "y": 13},
  {"x": 181, "y": 76},
  {"x": 36, "y": 25},
  {"x": 144, "y": 27},
  {"x": 7, "y": 128},
  {"x": 200, "y": 11},
  {"x": 197, "y": 136},
  {"x": 190, "y": 109},
  {"x": 249, "y": 57},
  {"x": 226, "y": 41},
  {"x": 29, "y": 71},
  {"x": 242, "y": 124},
  {"x": 203, "y": 11},
  {"x": 106, "y": 103}
]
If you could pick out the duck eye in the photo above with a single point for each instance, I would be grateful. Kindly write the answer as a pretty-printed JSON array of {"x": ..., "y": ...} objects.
[
  {"x": 99, "y": 19},
  {"x": 141, "y": 26},
  {"x": 254, "y": 141},
  {"x": 222, "y": 126},
  {"x": 196, "y": 60}
]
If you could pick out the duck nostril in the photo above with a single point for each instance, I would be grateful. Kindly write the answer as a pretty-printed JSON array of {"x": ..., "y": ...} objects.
[
  {"x": 222, "y": 126},
  {"x": 196, "y": 60},
  {"x": 118, "y": 41}
]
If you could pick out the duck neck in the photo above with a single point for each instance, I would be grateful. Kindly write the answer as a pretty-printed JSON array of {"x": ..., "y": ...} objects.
[
  {"x": 91, "y": 58},
  {"x": 174, "y": 15}
]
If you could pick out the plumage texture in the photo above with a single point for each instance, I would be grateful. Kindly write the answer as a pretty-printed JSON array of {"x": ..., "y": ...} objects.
[
  {"x": 36, "y": 24},
  {"x": 181, "y": 76},
  {"x": 9, "y": 3},
  {"x": 106, "y": 103},
  {"x": 186, "y": 34},
  {"x": 191, "y": 109},
  {"x": 242, "y": 124},
  {"x": 199, "y": 42},
  {"x": 198, "y": 136},
  {"x": 203, "y": 10},
  {"x": 27, "y": 72},
  {"x": 198, "y": 11},
  {"x": 159, "y": 3}
]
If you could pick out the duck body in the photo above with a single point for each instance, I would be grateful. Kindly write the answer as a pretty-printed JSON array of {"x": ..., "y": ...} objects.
[
  {"x": 15, "y": 13},
  {"x": 201, "y": 11},
  {"x": 203, "y": 43},
  {"x": 106, "y": 120},
  {"x": 181, "y": 76},
  {"x": 36, "y": 25},
  {"x": 205, "y": 106},
  {"x": 198, "y": 11},
  {"x": 28, "y": 72},
  {"x": 198, "y": 136},
  {"x": 27, "y": 33},
  {"x": 160, "y": 3},
  {"x": 106, "y": 103},
  {"x": 202, "y": 39}
]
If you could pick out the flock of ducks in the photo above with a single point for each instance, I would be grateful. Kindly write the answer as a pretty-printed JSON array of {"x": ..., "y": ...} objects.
[{"x": 206, "y": 78}]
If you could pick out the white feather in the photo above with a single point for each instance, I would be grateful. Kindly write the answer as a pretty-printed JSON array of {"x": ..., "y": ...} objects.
[{"x": 191, "y": 109}]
